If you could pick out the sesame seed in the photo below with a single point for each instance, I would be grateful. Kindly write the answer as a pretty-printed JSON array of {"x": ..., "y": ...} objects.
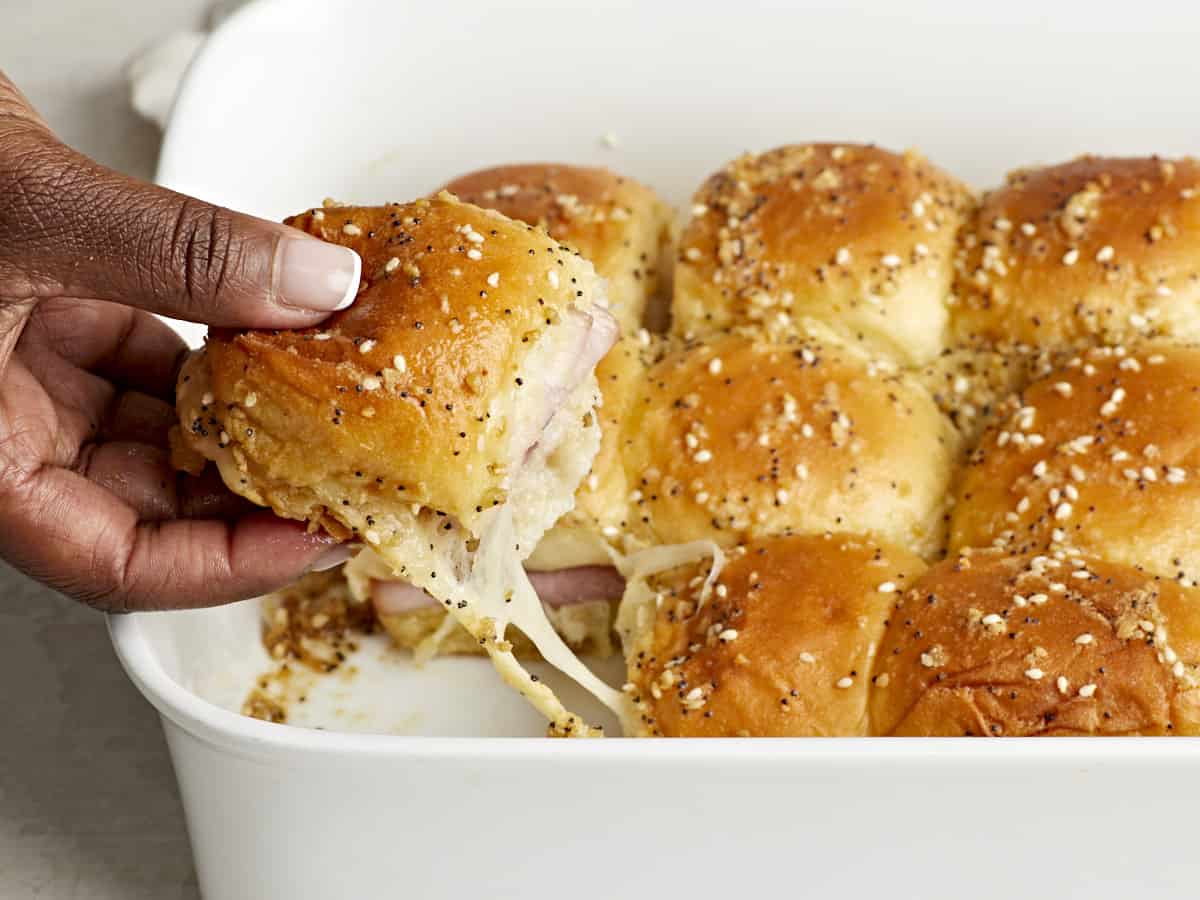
[
  {"x": 1087, "y": 690},
  {"x": 806, "y": 657},
  {"x": 493, "y": 280},
  {"x": 888, "y": 587},
  {"x": 1034, "y": 674},
  {"x": 1175, "y": 475},
  {"x": 399, "y": 363},
  {"x": 1064, "y": 388},
  {"x": 552, "y": 275},
  {"x": 703, "y": 456},
  {"x": 351, "y": 229},
  {"x": 729, "y": 634},
  {"x": 891, "y": 261},
  {"x": 1038, "y": 599},
  {"x": 610, "y": 531},
  {"x": 366, "y": 346},
  {"x": 474, "y": 254},
  {"x": 251, "y": 400},
  {"x": 392, "y": 264},
  {"x": 801, "y": 471},
  {"x": 1156, "y": 360},
  {"x": 781, "y": 496},
  {"x": 207, "y": 399},
  {"x": 714, "y": 366},
  {"x": 1071, "y": 257},
  {"x": 474, "y": 236},
  {"x": 1002, "y": 225},
  {"x": 1104, "y": 254},
  {"x": 322, "y": 336},
  {"x": 883, "y": 680},
  {"x": 842, "y": 257},
  {"x": 371, "y": 535},
  {"x": 1063, "y": 685},
  {"x": 845, "y": 682},
  {"x": 1039, "y": 469},
  {"x": 1137, "y": 320},
  {"x": 921, "y": 250},
  {"x": 692, "y": 253},
  {"x": 370, "y": 383},
  {"x": 927, "y": 661}
]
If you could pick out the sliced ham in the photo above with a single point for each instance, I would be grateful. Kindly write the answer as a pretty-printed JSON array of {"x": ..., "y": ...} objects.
[{"x": 556, "y": 589}]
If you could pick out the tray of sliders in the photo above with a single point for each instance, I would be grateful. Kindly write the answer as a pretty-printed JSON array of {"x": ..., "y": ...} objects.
[{"x": 670, "y": 439}]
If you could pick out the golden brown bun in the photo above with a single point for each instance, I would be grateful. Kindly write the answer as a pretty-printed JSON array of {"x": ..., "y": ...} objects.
[
  {"x": 1069, "y": 468},
  {"x": 855, "y": 236},
  {"x": 1019, "y": 645},
  {"x": 622, "y": 226},
  {"x": 1093, "y": 250},
  {"x": 409, "y": 410},
  {"x": 738, "y": 437},
  {"x": 783, "y": 647}
]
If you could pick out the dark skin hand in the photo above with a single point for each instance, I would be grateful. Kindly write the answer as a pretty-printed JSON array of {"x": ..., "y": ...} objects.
[{"x": 89, "y": 503}]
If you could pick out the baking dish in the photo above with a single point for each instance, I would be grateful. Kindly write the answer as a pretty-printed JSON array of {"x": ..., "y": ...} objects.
[{"x": 293, "y": 101}]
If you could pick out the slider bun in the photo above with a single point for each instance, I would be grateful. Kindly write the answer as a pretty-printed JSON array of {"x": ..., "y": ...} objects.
[
  {"x": 622, "y": 226},
  {"x": 1093, "y": 250},
  {"x": 413, "y": 406},
  {"x": 978, "y": 645},
  {"x": 739, "y": 437},
  {"x": 1119, "y": 480},
  {"x": 782, "y": 648},
  {"x": 856, "y": 236}
]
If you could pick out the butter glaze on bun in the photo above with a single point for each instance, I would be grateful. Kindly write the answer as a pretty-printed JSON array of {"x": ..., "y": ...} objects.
[
  {"x": 783, "y": 646},
  {"x": 855, "y": 236},
  {"x": 1096, "y": 250},
  {"x": 998, "y": 645},
  {"x": 738, "y": 437},
  {"x": 622, "y": 226},
  {"x": 1101, "y": 457}
]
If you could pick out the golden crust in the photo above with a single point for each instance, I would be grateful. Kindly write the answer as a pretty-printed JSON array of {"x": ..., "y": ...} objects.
[
  {"x": 622, "y": 226},
  {"x": 855, "y": 236},
  {"x": 738, "y": 437},
  {"x": 1019, "y": 646},
  {"x": 408, "y": 398},
  {"x": 783, "y": 648},
  {"x": 1094, "y": 250},
  {"x": 1102, "y": 457}
]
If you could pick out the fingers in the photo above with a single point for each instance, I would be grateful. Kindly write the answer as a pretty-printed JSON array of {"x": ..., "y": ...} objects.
[
  {"x": 127, "y": 346},
  {"x": 70, "y": 227},
  {"x": 76, "y": 536},
  {"x": 140, "y": 475}
]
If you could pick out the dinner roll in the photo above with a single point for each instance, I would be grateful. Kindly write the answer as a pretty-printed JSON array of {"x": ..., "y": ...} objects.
[
  {"x": 994, "y": 644},
  {"x": 737, "y": 437},
  {"x": 1102, "y": 457},
  {"x": 444, "y": 420},
  {"x": 414, "y": 411},
  {"x": 856, "y": 236},
  {"x": 1093, "y": 250},
  {"x": 782, "y": 646},
  {"x": 622, "y": 226}
]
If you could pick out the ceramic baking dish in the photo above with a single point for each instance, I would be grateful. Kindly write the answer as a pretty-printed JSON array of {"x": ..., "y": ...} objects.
[{"x": 430, "y": 783}]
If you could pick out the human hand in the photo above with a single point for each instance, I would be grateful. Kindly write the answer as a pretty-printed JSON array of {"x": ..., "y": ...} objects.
[{"x": 89, "y": 503}]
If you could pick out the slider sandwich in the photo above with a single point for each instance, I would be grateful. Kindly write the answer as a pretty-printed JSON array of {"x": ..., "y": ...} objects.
[
  {"x": 623, "y": 228},
  {"x": 444, "y": 420}
]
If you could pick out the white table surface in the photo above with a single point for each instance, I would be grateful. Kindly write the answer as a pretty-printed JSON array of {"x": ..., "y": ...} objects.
[{"x": 88, "y": 804}]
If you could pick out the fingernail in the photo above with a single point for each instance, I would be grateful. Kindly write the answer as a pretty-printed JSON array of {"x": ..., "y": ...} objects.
[
  {"x": 334, "y": 556},
  {"x": 312, "y": 274}
]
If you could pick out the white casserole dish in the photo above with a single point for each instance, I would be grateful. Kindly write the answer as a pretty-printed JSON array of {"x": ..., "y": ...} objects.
[{"x": 293, "y": 101}]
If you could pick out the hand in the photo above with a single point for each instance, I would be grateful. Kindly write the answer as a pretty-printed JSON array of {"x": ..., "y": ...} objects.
[{"x": 89, "y": 503}]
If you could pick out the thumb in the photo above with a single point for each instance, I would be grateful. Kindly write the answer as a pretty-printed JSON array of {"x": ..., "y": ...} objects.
[{"x": 71, "y": 227}]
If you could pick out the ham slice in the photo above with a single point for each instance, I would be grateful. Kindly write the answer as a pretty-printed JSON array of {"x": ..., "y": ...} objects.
[{"x": 556, "y": 589}]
